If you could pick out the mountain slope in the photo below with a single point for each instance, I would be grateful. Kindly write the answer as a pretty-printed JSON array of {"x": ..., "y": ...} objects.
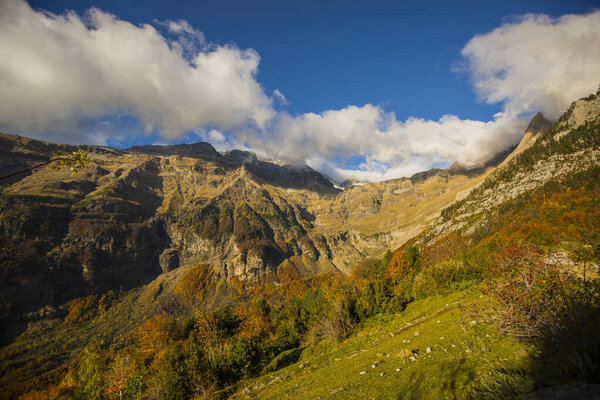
[
  {"x": 544, "y": 198},
  {"x": 388, "y": 358},
  {"x": 571, "y": 146},
  {"x": 130, "y": 216},
  {"x": 134, "y": 214},
  {"x": 183, "y": 229}
]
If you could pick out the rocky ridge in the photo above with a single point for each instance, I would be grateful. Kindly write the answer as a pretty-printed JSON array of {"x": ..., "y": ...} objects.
[
  {"x": 136, "y": 213},
  {"x": 547, "y": 153}
]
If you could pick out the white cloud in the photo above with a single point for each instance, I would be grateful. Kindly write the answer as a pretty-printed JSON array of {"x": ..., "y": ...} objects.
[
  {"x": 58, "y": 72},
  {"x": 280, "y": 97},
  {"x": 537, "y": 62},
  {"x": 216, "y": 136},
  {"x": 534, "y": 63},
  {"x": 391, "y": 148},
  {"x": 189, "y": 40},
  {"x": 374, "y": 172}
]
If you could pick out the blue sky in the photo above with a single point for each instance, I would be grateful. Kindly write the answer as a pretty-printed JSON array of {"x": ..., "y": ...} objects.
[{"x": 402, "y": 58}]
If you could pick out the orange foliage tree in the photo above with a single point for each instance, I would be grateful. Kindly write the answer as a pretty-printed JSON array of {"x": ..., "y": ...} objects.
[
  {"x": 153, "y": 336},
  {"x": 403, "y": 264},
  {"x": 254, "y": 320},
  {"x": 121, "y": 370}
]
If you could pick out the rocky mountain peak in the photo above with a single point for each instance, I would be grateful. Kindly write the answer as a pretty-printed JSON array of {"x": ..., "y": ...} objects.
[
  {"x": 240, "y": 157},
  {"x": 538, "y": 124}
]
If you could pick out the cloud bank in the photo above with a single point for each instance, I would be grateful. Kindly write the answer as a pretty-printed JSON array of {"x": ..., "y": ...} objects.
[
  {"x": 90, "y": 78},
  {"x": 390, "y": 148},
  {"x": 58, "y": 72},
  {"x": 537, "y": 62}
]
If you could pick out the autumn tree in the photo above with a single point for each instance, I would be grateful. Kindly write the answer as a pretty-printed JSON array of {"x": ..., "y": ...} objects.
[
  {"x": 374, "y": 298},
  {"x": 118, "y": 375},
  {"x": 91, "y": 373},
  {"x": 254, "y": 320},
  {"x": 401, "y": 270},
  {"x": 153, "y": 336}
]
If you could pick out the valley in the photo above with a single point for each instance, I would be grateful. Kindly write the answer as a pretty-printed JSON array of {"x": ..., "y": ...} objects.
[{"x": 182, "y": 272}]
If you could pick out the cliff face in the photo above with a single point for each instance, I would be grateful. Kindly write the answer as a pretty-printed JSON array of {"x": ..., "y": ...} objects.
[{"x": 134, "y": 214}]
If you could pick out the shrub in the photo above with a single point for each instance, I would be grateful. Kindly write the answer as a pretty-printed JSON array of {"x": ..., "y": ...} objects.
[
  {"x": 82, "y": 309},
  {"x": 443, "y": 278},
  {"x": 376, "y": 297},
  {"x": 539, "y": 299},
  {"x": 335, "y": 322},
  {"x": 499, "y": 384}
]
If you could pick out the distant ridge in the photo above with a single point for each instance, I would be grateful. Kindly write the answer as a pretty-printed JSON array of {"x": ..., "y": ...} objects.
[
  {"x": 202, "y": 150},
  {"x": 538, "y": 125}
]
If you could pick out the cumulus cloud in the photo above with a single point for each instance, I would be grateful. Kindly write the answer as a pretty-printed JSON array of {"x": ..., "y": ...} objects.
[
  {"x": 391, "y": 148},
  {"x": 189, "y": 39},
  {"x": 537, "y": 62},
  {"x": 91, "y": 78},
  {"x": 59, "y": 72}
]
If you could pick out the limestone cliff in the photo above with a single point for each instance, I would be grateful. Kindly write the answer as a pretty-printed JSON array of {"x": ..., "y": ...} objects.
[{"x": 134, "y": 214}]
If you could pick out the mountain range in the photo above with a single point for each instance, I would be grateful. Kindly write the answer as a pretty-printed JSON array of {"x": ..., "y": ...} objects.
[
  {"x": 134, "y": 214},
  {"x": 136, "y": 221}
]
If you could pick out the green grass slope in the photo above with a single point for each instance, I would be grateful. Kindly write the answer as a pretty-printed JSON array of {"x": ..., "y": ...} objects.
[{"x": 375, "y": 363}]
